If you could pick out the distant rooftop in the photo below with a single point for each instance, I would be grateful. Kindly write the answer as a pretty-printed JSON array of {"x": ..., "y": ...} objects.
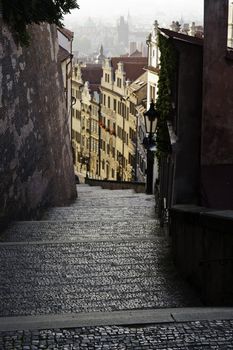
[
  {"x": 63, "y": 54},
  {"x": 136, "y": 53},
  {"x": 66, "y": 32},
  {"x": 140, "y": 82},
  {"x": 133, "y": 66},
  {"x": 93, "y": 74},
  {"x": 182, "y": 37}
]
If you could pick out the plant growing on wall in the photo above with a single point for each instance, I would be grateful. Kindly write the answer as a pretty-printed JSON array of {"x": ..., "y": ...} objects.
[
  {"x": 168, "y": 63},
  {"x": 19, "y": 13}
]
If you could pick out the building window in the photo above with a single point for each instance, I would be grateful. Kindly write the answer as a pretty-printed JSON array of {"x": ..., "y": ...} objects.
[
  {"x": 119, "y": 107},
  {"x": 230, "y": 25},
  {"x": 107, "y": 78},
  {"x": 78, "y": 137},
  {"x": 132, "y": 108},
  {"x": 109, "y": 102},
  {"x": 119, "y": 82},
  {"x": 152, "y": 92},
  {"x": 114, "y": 104},
  {"x": 123, "y": 110}
]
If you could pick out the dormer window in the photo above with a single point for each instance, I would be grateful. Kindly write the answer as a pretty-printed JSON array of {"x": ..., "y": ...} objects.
[
  {"x": 119, "y": 82},
  {"x": 107, "y": 78},
  {"x": 230, "y": 24}
]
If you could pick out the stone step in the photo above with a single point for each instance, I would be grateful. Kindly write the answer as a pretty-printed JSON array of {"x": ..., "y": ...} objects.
[
  {"x": 60, "y": 231},
  {"x": 109, "y": 196},
  {"x": 171, "y": 323},
  {"x": 89, "y": 276},
  {"x": 86, "y": 188},
  {"x": 83, "y": 201},
  {"x": 97, "y": 214},
  {"x": 97, "y": 190}
]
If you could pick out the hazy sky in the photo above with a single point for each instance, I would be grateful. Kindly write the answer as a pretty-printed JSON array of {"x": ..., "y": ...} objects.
[{"x": 148, "y": 9}]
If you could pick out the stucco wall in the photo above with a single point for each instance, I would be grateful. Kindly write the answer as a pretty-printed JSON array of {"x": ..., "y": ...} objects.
[
  {"x": 35, "y": 155},
  {"x": 188, "y": 123},
  {"x": 217, "y": 127}
]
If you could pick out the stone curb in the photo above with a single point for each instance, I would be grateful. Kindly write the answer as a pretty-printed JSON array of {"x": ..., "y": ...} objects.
[{"x": 131, "y": 317}]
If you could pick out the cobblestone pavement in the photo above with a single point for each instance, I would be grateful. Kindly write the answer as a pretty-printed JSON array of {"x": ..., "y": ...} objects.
[
  {"x": 99, "y": 276},
  {"x": 105, "y": 253},
  {"x": 118, "y": 262},
  {"x": 109, "y": 213},
  {"x": 81, "y": 230},
  {"x": 181, "y": 336}
]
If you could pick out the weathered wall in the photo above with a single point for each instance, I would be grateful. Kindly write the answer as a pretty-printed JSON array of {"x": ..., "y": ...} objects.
[
  {"x": 188, "y": 123},
  {"x": 217, "y": 127},
  {"x": 35, "y": 156},
  {"x": 202, "y": 245}
]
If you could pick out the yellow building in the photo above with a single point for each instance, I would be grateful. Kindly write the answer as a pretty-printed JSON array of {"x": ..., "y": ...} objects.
[
  {"x": 118, "y": 116},
  {"x": 85, "y": 119},
  {"x": 105, "y": 119}
]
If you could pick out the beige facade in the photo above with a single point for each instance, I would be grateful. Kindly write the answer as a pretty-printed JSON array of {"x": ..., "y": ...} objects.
[
  {"x": 120, "y": 97},
  {"x": 85, "y": 122},
  {"x": 105, "y": 123}
]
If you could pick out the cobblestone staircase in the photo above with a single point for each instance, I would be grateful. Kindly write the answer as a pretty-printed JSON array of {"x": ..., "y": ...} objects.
[{"x": 103, "y": 255}]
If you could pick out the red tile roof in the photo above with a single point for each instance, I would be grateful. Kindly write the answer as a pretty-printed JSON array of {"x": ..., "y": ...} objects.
[
  {"x": 133, "y": 66},
  {"x": 93, "y": 74}
]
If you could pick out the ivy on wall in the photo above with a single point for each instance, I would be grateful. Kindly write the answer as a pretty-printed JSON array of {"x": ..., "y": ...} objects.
[
  {"x": 168, "y": 64},
  {"x": 19, "y": 13}
]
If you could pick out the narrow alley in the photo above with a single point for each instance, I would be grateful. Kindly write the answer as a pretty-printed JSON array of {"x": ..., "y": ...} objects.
[{"x": 92, "y": 267}]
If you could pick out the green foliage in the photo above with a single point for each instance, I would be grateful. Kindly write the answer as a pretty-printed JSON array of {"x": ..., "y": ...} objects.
[
  {"x": 19, "y": 13},
  {"x": 168, "y": 62}
]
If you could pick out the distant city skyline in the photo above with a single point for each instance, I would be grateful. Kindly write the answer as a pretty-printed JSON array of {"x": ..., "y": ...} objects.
[{"x": 146, "y": 11}]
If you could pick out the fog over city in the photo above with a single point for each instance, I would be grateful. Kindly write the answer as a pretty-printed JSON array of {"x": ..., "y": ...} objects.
[{"x": 144, "y": 12}]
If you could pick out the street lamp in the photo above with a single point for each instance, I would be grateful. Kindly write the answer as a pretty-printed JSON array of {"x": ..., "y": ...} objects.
[{"x": 151, "y": 118}]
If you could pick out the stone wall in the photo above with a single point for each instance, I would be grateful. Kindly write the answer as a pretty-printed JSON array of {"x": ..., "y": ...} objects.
[
  {"x": 202, "y": 244},
  {"x": 35, "y": 155}
]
